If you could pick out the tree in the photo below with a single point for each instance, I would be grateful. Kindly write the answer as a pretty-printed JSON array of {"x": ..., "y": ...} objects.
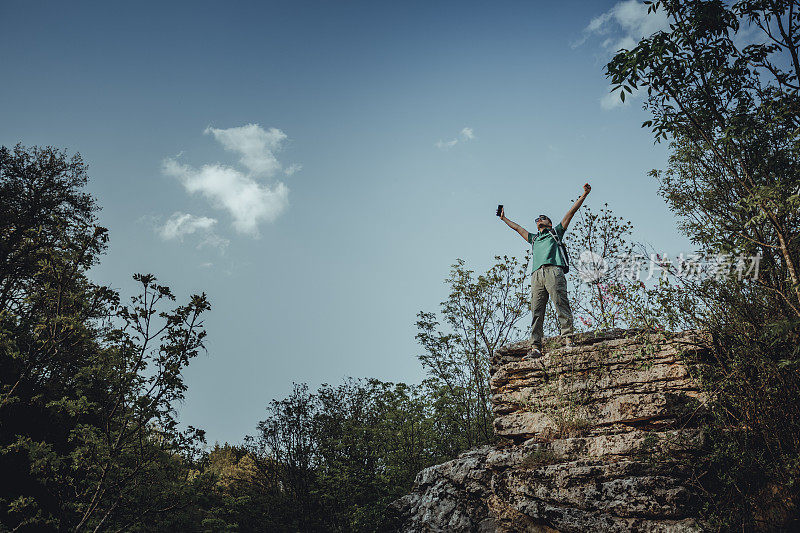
[
  {"x": 87, "y": 386},
  {"x": 732, "y": 113},
  {"x": 286, "y": 448},
  {"x": 480, "y": 315},
  {"x": 334, "y": 459},
  {"x": 600, "y": 248},
  {"x": 727, "y": 100},
  {"x": 622, "y": 283}
]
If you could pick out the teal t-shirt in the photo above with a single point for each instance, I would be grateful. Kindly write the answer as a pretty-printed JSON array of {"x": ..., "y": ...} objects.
[{"x": 545, "y": 248}]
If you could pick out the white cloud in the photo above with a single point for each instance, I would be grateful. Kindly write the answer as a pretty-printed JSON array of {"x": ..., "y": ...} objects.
[
  {"x": 626, "y": 43},
  {"x": 623, "y": 26},
  {"x": 256, "y": 146},
  {"x": 181, "y": 224},
  {"x": 626, "y": 23},
  {"x": 443, "y": 145},
  {"x": 291, "y": 169},
  {"x": 212, "y": 240},
  {"x": 248, "y": 202},
  {"x": 632, "y": 15},
  {"x": 597, "y": 24},
  {"x": 240, "y": 192},
  {"x": 467, "y": 134}
]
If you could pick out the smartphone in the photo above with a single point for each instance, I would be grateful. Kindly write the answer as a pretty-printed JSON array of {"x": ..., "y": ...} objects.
[{"x": 499, "y": 209}]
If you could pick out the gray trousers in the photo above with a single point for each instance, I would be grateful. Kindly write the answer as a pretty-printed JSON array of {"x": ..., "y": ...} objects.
[{"x": 549, "y": 280}]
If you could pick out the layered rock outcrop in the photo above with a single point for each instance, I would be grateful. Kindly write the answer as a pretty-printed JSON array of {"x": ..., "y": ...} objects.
[{"x": 598, "y": 436}]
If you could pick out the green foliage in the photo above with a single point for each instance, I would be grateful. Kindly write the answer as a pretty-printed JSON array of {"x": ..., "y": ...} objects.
[
  {"x": 600, "y": 300},
  {"x": 480, "y": 314},
  {"x": 611, "y": 294},
  {"x": 333, "y": 460},
  {"x": 730, "y": 112},
  {"x": 754, "y": 432},
  {"x": 87, "y": 386}
]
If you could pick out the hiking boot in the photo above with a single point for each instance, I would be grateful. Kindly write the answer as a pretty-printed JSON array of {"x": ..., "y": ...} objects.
[{"x": 535, "y": 353}]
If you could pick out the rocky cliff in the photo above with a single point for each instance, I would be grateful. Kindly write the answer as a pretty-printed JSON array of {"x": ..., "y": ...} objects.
[{"x": 593, "y": 437}]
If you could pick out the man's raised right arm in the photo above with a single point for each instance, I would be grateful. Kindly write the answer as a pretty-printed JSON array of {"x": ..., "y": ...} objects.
[{"x": 513, "y": 225}]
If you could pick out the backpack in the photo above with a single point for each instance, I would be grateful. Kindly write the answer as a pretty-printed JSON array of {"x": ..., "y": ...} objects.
[{"x": 561, "y": 249}]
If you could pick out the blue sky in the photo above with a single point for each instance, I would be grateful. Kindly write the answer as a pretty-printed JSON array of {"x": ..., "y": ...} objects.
[{"x": 295, "y": 161}]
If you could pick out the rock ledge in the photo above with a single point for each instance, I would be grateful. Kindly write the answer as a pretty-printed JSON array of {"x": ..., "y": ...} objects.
[{"x": 594, "y": 437}]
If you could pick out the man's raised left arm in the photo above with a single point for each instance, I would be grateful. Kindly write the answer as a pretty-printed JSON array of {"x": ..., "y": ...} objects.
[{"x": 577, "y": 205}]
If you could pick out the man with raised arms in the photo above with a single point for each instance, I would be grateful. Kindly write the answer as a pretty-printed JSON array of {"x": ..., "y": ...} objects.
[{"x": 548, "y": 279}]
